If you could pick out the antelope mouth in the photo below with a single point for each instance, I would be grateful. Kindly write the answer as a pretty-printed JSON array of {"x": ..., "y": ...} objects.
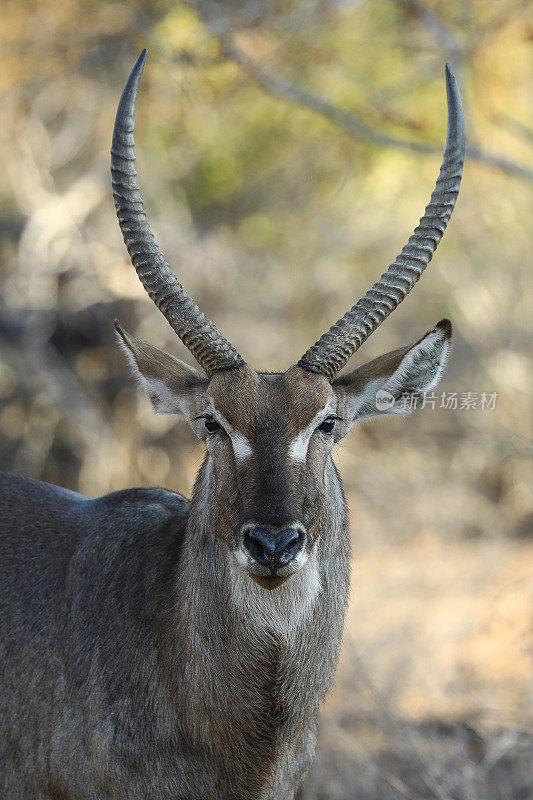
[{"x": 272, "y": 578}]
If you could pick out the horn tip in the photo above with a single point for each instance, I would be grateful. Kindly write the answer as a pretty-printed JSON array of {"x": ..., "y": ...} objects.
[
  {"x": 456, "y": 124},
  {"x": 451, "y": 82},
  {"x": 125, "y": 118},
  {"x": 138, "y": 67}
]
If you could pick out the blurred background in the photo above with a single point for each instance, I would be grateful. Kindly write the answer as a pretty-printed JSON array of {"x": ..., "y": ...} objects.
[{"x": 286, "y": 151}]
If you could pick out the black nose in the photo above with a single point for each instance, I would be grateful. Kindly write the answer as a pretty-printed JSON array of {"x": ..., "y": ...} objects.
[{"x": 273, "y": 550}]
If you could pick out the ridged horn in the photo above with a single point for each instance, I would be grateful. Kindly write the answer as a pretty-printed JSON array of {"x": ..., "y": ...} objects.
[
  {"x": 212, "y": 351},
  {"x": 335, "y": 347}
]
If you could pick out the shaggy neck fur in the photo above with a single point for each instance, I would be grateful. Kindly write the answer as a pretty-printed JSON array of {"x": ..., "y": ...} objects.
[{"x": 255, "y": 664}]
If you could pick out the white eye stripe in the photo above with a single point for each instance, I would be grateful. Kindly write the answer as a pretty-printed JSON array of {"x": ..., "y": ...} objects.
[
  {"x": 240, "y": 443},
  {"x": 299, "y": 445},
  {"x": 241, "y": 446}
]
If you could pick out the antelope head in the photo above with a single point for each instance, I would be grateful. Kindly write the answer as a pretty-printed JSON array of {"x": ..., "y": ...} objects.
[{"x": 270, "y": 436}]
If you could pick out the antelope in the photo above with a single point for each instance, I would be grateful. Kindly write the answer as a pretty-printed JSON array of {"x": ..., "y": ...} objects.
[{"x": 155, "y": 648}]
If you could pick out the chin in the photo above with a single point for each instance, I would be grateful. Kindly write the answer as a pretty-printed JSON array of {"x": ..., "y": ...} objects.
[{"x": 269, "y": 581}]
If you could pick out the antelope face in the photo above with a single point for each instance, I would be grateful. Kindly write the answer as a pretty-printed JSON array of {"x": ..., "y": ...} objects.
[{"x": 269, "y": 437}]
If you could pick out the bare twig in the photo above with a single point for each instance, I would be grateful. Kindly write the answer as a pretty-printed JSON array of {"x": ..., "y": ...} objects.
[
  {"x": 356, "y": 128},
  {"x": 441, "y": 32},
  {"x": 516, "y": 127}
]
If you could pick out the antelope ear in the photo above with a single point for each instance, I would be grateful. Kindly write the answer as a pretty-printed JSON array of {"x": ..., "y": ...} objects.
[
  {"x": 380, "y": 386},
  {"x": 173, "y": 386}
]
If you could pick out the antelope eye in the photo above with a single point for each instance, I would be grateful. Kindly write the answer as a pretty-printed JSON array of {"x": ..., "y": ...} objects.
[
  {"x": 211, "y": 425},
  {"x": 327, "y": 425}
]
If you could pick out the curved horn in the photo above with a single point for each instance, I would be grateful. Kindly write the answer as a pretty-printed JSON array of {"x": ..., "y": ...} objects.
[
  {"x": 335, "y": 347},
  {"x": 203, "y": 339}
]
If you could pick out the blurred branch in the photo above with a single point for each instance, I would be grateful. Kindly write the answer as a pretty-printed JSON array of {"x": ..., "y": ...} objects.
[
  {"x": 516, "y": 127},
  {"x": 441, "y": 32},
  {"x": 220, "y": 29}
]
